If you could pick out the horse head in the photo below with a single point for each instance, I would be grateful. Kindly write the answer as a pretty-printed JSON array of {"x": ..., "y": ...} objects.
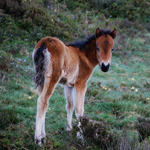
[{"x": 104, "y": 47}]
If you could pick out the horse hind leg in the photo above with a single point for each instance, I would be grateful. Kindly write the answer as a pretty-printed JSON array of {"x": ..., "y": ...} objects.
[
  {"x": 42, "y": 105},
  {"x": 40, "y": 89},
  {"x": 47, "y": 77},
  {"x": 41, "y": 59}
]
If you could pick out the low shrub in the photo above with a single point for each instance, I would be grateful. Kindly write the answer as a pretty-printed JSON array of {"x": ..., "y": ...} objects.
[
  {"x": 97, "y": 133},
  {"x": 133, "y": 10},
  {"x": 8, "y": 116},
  {"x": 32, "y": 16},
  {"x": 5, "y": 60},
  {"x": 143, "y": 127}
]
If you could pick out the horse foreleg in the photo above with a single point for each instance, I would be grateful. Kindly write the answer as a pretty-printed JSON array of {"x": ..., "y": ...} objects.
[
  {"x": 80, "y": 90},
  {"x": 69, "y": 93}
]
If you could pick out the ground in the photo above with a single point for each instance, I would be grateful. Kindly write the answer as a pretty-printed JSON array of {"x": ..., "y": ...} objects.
[{"x": 116, "y": 98}]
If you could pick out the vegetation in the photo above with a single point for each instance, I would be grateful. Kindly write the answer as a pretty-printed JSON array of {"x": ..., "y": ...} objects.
[{"x": 118, "y": 100}]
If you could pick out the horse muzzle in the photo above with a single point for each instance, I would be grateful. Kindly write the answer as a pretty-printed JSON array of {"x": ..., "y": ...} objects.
[{"x": 105, "y": 67}]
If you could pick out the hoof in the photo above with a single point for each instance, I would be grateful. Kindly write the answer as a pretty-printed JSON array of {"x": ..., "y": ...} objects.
[
  {"x": 39, "y": 142},
  {"x": 43, "y": 140},
  {"x": 68, "y": 128}
]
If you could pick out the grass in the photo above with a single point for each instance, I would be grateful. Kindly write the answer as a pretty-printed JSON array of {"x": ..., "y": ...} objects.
[{"x": 116, "y": 98}]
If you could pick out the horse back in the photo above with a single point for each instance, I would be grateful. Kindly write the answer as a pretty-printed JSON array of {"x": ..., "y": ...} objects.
[{"x": 70, "y": 61}]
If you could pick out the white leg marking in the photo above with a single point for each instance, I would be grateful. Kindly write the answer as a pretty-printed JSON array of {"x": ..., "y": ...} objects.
[
  {"x": 40, "y": 128},
  {"x": 79, "y": 100},
  {"x": 40, "y": 134},
  {"x": 69, "y": 106}
]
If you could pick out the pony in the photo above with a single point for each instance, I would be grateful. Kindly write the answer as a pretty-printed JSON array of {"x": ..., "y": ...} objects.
[{"x": 70, "y": 65}]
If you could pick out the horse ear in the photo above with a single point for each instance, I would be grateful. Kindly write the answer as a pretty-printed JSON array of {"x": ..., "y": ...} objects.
[
  {"x": 113, "y": 33},
  {"x": 98, "y": 33}
]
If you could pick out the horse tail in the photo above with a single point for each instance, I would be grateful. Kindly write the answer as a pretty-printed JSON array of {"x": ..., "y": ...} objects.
[{"x": 41, "y": 59}]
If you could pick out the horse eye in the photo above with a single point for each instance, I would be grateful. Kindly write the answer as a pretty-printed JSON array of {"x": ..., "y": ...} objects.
[
  {"x": 112, "y": 50},
  {"x": 97, "y": 48}
]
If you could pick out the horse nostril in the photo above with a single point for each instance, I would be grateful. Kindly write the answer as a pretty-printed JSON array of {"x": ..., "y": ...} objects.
[{"x": 105, "y": 67}]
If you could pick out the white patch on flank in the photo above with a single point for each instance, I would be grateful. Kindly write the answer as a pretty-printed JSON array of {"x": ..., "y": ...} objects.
[
  {"x": 33, "y": 56},
  {"x": 47, "y": 58},
  {"x": 47, "y": 62},
  {"x": 33, "y": 53}
]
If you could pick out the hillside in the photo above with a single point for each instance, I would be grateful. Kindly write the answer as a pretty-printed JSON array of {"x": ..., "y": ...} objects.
[{"x": 119, "y": 99}]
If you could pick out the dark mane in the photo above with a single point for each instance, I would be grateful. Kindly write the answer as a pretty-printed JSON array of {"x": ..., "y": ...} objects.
[
  {"x": 82, "y": 44},
  {"x": 105, "y": 32}
]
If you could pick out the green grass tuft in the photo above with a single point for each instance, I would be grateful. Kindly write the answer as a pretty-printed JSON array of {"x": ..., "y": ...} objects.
[{"x": 8, "y": 116}]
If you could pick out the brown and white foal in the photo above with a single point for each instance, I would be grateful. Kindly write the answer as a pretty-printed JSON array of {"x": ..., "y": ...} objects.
[{"x": 70, "y": 65}]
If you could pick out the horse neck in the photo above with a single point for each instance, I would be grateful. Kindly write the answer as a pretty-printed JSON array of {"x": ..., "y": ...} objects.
[{"x": 90, "y": 52}]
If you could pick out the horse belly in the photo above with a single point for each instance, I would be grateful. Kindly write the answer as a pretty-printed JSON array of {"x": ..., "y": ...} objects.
[
  {"x": 69, "y": 77},
  {"x": 63, "y": 81}
]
